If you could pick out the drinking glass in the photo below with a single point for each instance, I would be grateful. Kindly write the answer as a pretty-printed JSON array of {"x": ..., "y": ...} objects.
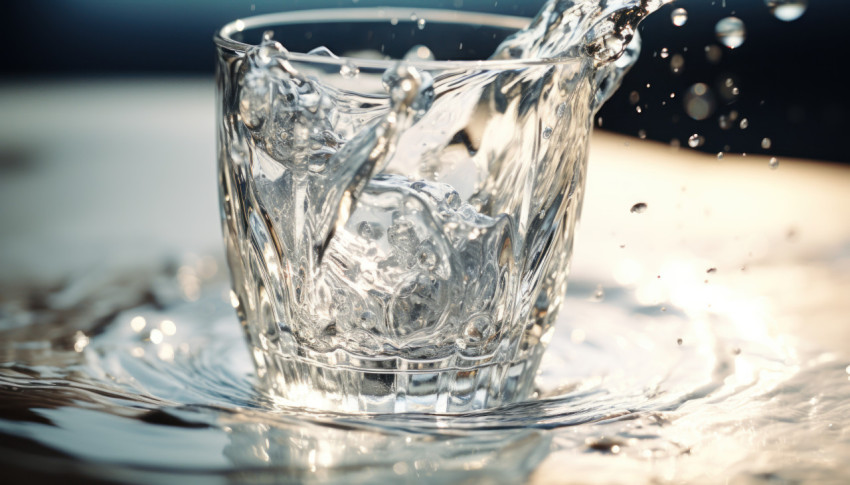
[{"x": 398, "y": 198}]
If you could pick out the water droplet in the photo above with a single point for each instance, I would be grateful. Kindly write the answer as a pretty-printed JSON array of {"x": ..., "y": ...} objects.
[
  {"x": 744, "y": 123},
  {"x": 773, "y": 163},
  {"x": 642, "y": 134},
  {"x": 394, "y": 21},
  {"x": 421, "y": 24},
  {"x": 268, "y": 35},
  {"x": 679, "y": 17},
  {"x": 634, "y": 97},
  {"x": 419, "y": 53},
  {"x": 638, "y": 208},
  {"x": 787, "y": 10},
  {"x": 713, "y": 53},
  {"x": 81, "y": 341},
  {"x": 599, "y": 294},
  {"x": 730, "y": 32},
  {"x": 677, "y": 62},
  {"x": 720, "y": 155},
  {"x": 349, "y": 70},
  {"x": 403, "y": 83},
  {"x": 664, "y": 53},
  {"x": 766, "y": 143},
  {"x": 547, "y": 132},
  {"x": 711, "y": 270},
  {"x": 695, "y": 140},
  {"x": 679, "y": 341},
  {"x": 699, "y": 102}
]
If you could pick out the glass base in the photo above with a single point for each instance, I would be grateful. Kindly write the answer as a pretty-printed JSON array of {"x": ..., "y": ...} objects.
[{"x": 426, "y": 387}]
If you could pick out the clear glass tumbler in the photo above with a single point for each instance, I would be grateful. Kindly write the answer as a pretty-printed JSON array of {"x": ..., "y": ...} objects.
[{"x": 398, "y": 198}]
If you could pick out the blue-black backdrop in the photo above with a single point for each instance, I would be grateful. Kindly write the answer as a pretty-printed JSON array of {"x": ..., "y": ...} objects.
[{"x": 792, "y": 89}]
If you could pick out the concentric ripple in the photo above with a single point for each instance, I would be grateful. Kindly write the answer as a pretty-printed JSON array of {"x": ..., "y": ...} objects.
[{"x": 163, "y": 388}]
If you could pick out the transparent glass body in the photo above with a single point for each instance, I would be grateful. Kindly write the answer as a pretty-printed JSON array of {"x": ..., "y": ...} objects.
[{"x": 398, "y": 233}]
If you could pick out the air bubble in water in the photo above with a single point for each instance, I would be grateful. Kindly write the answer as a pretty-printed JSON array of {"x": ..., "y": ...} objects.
[
  {"x": 679, "y": 17},
  {"x": 453, "y": 200},
  {"x": 369, "y": 231},
  {"x": 730, "y": 32},
  {"x": 349, "y": 70},
  {"x": 699, "y": 101},
  {"x": 695, "y": 140},
  {"x": 773, "y": 163},
  {"x": 479, "y": 329},
  {"x": 638, "y": 208},
  {"x": 560, "y": 110},
  {"x": 787, "y": 10},
  {"x": 766, "y": 143},
  {"x": 547, "y": 132}
]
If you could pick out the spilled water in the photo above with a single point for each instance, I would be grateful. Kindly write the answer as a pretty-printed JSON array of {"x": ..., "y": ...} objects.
[{"x": 121, "y": 377}]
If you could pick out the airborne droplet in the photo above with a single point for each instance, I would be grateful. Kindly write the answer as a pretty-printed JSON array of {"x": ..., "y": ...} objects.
[
  {"x": 695, "y": 140},
  {"x": 730, "y": 32},
  {"x": 638, "y": 208},
  {"x": 679, "y": 17},
  {"x": 699, "y": 102},
  {"x": 773, "y": 163},
  {"x": 349, "y": 70},
  {"x": 787, "y": 10}
]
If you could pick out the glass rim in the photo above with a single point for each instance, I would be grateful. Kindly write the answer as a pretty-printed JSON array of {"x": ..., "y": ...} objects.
[{"x": 223, "y": 37}]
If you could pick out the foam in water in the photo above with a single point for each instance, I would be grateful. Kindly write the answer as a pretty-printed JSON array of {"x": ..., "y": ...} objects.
[{"x": 432, "y": 222}]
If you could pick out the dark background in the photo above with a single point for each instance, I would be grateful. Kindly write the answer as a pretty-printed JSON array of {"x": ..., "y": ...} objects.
[{"x": 787, "y": 73}]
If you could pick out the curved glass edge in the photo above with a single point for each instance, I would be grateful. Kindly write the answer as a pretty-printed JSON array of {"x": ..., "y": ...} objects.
[{"x": 223, "y": 38}]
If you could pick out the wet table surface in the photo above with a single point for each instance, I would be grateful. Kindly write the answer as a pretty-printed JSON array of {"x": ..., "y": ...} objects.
[{"x": 100, "y": 175}]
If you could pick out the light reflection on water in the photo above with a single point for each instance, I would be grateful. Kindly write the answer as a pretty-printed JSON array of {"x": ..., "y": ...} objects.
[{"x": 162, "y": 387}]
